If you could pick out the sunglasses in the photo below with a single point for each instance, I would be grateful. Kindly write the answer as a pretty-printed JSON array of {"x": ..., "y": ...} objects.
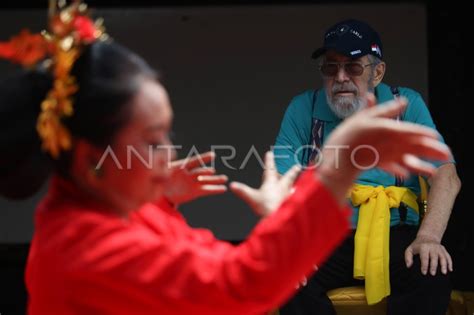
[{"x": 352, "y": 68}]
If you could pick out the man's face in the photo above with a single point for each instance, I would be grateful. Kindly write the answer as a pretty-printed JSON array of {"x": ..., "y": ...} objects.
[{"x": 345, "y": 92}]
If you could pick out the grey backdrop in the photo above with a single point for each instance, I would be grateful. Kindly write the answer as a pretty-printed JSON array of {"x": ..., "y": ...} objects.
[{"x": 231, "y": 72}]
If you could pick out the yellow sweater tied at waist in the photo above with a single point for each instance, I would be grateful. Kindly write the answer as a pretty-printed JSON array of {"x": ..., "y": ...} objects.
[{"x": 371, "y": 248}]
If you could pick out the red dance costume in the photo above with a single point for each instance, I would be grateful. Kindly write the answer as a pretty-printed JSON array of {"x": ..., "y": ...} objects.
[{"x": 86, "y": 260}]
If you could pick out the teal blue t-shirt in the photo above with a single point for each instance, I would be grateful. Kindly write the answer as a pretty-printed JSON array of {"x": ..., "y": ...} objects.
[{"x": 293, "y": 141}]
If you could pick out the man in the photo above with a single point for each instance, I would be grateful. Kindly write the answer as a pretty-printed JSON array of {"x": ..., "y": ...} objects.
[{"x": 390, "y": 251}]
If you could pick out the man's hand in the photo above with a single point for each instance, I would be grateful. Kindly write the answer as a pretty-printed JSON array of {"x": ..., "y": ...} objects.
[{"x": 432, "y": 254}]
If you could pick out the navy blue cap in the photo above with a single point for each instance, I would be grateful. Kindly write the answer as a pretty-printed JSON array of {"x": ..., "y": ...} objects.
[{"x": 351, "y": 38}]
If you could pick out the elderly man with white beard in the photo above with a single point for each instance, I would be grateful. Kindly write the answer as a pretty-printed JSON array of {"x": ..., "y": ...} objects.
[{"x": 392, "y": 252}]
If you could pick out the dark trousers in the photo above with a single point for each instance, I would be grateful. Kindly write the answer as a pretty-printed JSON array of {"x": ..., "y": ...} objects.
[{"x": 411, "y": 291}]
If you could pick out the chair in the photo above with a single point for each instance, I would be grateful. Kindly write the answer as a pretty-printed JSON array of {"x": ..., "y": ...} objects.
[{"x": 351, "y": 301}]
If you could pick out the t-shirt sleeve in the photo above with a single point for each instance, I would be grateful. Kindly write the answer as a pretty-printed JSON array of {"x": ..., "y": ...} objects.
[{"x": 417, "y": 112}]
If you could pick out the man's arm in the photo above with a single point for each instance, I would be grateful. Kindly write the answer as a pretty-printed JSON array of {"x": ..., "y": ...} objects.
[{"x": 445, "y": 186}]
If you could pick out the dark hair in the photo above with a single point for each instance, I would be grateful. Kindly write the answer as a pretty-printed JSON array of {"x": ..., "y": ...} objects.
[{"x": 108, "y": 76}]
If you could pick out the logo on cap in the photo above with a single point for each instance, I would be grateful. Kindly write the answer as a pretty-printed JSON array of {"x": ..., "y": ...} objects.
[
  {"x": 342, "y": 30},
  {"x": 376, "y": 49},
  {"x": 355, "y": 52}
]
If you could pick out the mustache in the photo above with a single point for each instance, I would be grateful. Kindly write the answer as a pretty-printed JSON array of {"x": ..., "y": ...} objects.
[{"x": 345, "y": 87}]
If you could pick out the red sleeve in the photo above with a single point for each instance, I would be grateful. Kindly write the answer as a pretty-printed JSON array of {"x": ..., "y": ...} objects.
[
  {"x": 152, "y": 217},
  {"x": 181, "y": 276}
]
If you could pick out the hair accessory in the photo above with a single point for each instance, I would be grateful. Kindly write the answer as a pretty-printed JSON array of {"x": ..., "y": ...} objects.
[{"x": 70, "y": 30}]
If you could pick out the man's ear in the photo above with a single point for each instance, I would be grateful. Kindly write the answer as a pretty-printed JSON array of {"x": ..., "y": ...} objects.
[
  {"x": 85, "y": 162},
  {"x": 379, "y": 73}
]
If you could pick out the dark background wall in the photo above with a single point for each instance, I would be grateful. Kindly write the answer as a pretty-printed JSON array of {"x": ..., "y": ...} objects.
[
  {"x": 233, "y": 68},
  {"x": 231, "y": 72}
]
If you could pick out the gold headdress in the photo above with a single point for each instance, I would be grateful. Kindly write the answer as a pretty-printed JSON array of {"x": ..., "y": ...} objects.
[{"x": 69, "y": 29}]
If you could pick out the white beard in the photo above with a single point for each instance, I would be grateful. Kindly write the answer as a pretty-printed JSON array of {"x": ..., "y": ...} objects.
[{"x": 345, "y": 106}]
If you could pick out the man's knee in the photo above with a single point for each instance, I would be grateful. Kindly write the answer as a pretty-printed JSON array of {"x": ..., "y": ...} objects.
[{"x": 432, "y": 283}]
